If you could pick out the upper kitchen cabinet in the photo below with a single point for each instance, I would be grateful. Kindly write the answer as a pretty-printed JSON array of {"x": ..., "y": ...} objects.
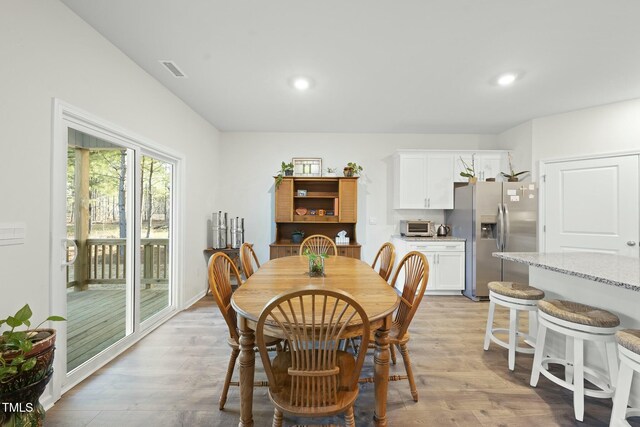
[
  {"x": 488, "y": 164},
  {"x": 423, "y": 180}
]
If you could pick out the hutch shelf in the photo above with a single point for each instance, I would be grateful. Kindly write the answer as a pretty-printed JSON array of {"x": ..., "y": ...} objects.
[{"x": 335, "y": 195}]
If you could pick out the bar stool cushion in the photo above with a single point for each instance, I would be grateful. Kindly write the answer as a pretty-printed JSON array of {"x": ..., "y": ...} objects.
[
  {"x": 629, "y": 339},
  {"x": 581, "y": 314},
  {"x": 516, "y": 290}
]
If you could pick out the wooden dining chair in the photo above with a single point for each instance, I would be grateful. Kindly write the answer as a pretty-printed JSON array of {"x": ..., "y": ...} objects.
[
  {"x": 314, "y": 378},
  {"x": 386, "y": 254},
  {"x": 415, "y": 267},
  {"x": 319, "y": 244},
  {"x": 247, "y": 258},
  {"x": 221, "y": 267}
]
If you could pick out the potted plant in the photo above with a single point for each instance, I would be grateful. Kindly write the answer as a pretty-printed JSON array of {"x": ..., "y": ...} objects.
[
  {"x": 469, "y": 169},
  {"x": 332, "y": 172},
  {"x": 26, "y": 366},
  {"x": 512, "y": 176},
  {"x": 296, "y": 236},
  {"x": 316, "y": 263},
  {"x": 352, "y": 169},
  {"x": 286, "y": 169}
]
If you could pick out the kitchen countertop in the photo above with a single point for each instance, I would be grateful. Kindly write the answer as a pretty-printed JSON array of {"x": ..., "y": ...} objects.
[
  {"x": 609, "y": 269},
  {"x": 429, "y": 239}
]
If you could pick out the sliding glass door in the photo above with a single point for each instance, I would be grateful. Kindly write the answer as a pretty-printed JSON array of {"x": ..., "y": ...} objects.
[
  {"x": 155, "y": 231},
  {"x": 99, "y": 281},
  {"x": 119, "y": 215}
]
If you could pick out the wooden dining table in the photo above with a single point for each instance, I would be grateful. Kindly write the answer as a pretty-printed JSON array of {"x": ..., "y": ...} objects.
[{"x": 372, "y": 292}]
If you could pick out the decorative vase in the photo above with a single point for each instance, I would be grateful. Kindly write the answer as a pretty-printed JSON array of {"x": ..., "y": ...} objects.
[
  {"x": 348, "y": 172},
  {"x": 288, "y": 172},
  {"x": 21, "y": 392},
  {"x": 296, "y": 237},
  {"x": 316, "y": 267},
  {"x": 513, "y": 179},
  {"x": 473, "y": 180}
]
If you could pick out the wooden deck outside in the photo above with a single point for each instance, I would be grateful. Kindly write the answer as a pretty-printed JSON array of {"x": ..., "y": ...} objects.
[{"x": 96, "y": 319}]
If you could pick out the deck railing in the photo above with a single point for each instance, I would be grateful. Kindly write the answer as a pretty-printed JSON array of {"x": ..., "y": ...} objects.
[{"x": 105, "y": 262}]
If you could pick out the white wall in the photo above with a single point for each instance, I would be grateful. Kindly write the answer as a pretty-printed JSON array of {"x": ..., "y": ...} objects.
[
  {"x": 610, "y": 128},
  {"x": 252, "y": 159},
  {"x": 47, "y": 51},
  {"x": 604, "y": 129}
]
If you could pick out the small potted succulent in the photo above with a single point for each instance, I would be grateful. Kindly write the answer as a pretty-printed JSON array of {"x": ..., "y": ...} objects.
[
  {"x": 352, "y": 169},
  {"x": 26, "y": 366},
  {"x": 316, "y": 263},
  {"x": 513, "y": 176},
  {"x": 469, "y": 169},
  {"x": 286, "y": 169}
]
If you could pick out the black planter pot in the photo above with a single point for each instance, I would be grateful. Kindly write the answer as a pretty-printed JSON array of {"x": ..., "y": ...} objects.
[{"x": 20, "y": 394}]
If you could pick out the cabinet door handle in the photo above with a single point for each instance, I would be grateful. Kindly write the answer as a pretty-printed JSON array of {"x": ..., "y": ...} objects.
[
  {"x": 429, "y": 202},
  {"x": 425, "y": 202}
]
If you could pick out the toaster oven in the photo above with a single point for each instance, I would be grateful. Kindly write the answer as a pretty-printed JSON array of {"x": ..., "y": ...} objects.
[{"x": 416, "y": 228}]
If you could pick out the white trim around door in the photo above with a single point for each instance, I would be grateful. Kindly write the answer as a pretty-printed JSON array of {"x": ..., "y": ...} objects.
[{"x": 65, "y": 116}]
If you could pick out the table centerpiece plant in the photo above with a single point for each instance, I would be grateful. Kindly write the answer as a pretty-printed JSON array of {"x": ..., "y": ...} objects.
[{"x": 316, "y": 263}]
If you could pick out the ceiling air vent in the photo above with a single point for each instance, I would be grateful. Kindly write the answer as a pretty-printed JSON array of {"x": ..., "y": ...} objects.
[{"x": 173, "y": 69}]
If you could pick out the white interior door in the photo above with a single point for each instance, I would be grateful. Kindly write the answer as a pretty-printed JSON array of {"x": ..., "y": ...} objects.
[{"x": 592, "y": 205}]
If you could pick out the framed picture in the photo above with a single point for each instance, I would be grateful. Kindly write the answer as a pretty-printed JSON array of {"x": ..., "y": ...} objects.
[{"x": 307, "y": 166}]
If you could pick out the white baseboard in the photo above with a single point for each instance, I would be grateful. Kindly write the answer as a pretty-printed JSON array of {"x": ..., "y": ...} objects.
[{"x": 194, "y": 299}]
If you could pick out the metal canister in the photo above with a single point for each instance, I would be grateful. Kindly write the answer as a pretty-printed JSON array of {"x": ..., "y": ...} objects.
[
  {"x": 223, "y": 231},
  {"x": 235, "y": 241}
]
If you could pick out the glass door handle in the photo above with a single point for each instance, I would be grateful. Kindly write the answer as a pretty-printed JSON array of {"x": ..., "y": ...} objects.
[{"x": 65, "y": 245}]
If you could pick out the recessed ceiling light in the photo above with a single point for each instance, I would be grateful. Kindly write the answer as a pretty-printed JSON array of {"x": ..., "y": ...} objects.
[
  {"x": 301, "y": 83},
  {"x": 507, "y": 79}
]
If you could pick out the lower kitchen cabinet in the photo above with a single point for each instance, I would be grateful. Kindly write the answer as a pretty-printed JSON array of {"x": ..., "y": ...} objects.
[{"x": 446, "y": 263}]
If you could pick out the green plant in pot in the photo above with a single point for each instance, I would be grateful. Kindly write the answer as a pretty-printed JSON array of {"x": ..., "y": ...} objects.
[
  {"x": 352, "y": 169},
  {"x": 316, "y": 263},
  {"x": 513, "y": 176},
  {"x": 296, "y": 236},
  {"x": 469, "y": 171},
  {"x": 26, "y": 366},
  {"x": 286, "y": 169}
]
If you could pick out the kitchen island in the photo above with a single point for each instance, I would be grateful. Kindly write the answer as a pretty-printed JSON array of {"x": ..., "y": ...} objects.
[{"x": 606, "y": 281}]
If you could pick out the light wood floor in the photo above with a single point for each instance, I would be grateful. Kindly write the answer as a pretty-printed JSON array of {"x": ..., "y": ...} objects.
[{"x": 174, "y": 376}]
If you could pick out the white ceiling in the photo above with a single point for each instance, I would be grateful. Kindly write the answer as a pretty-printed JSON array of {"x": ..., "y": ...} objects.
[{"x": 416, "y": 66}]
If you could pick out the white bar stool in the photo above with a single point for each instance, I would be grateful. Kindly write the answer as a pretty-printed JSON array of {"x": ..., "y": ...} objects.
[
  {"x": 578, "y": 323},
  {"x": 629, "y": 350},
  {"x": 516, "y": 297}
]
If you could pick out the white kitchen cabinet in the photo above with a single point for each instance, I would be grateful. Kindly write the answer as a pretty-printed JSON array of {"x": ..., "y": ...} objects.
[
  {"x": 446, "y": 263},
  {"x": 423, "y": 180},
  {"x": 410, "y": 183}
]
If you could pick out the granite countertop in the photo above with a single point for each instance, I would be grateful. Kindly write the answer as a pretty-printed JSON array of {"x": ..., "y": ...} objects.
[
  {"x": 429, "y": 239},
  {"x": 610, "y": 269}
]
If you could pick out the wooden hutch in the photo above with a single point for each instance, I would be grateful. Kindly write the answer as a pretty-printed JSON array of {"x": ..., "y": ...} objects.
[{"x": 336, "y": 194}]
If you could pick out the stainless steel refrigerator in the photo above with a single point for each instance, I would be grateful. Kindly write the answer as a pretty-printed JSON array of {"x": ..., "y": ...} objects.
[{"x": 494, "y": 217}]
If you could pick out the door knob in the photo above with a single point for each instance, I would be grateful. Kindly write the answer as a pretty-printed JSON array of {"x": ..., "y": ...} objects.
[{"x": 631, "y": 243}]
